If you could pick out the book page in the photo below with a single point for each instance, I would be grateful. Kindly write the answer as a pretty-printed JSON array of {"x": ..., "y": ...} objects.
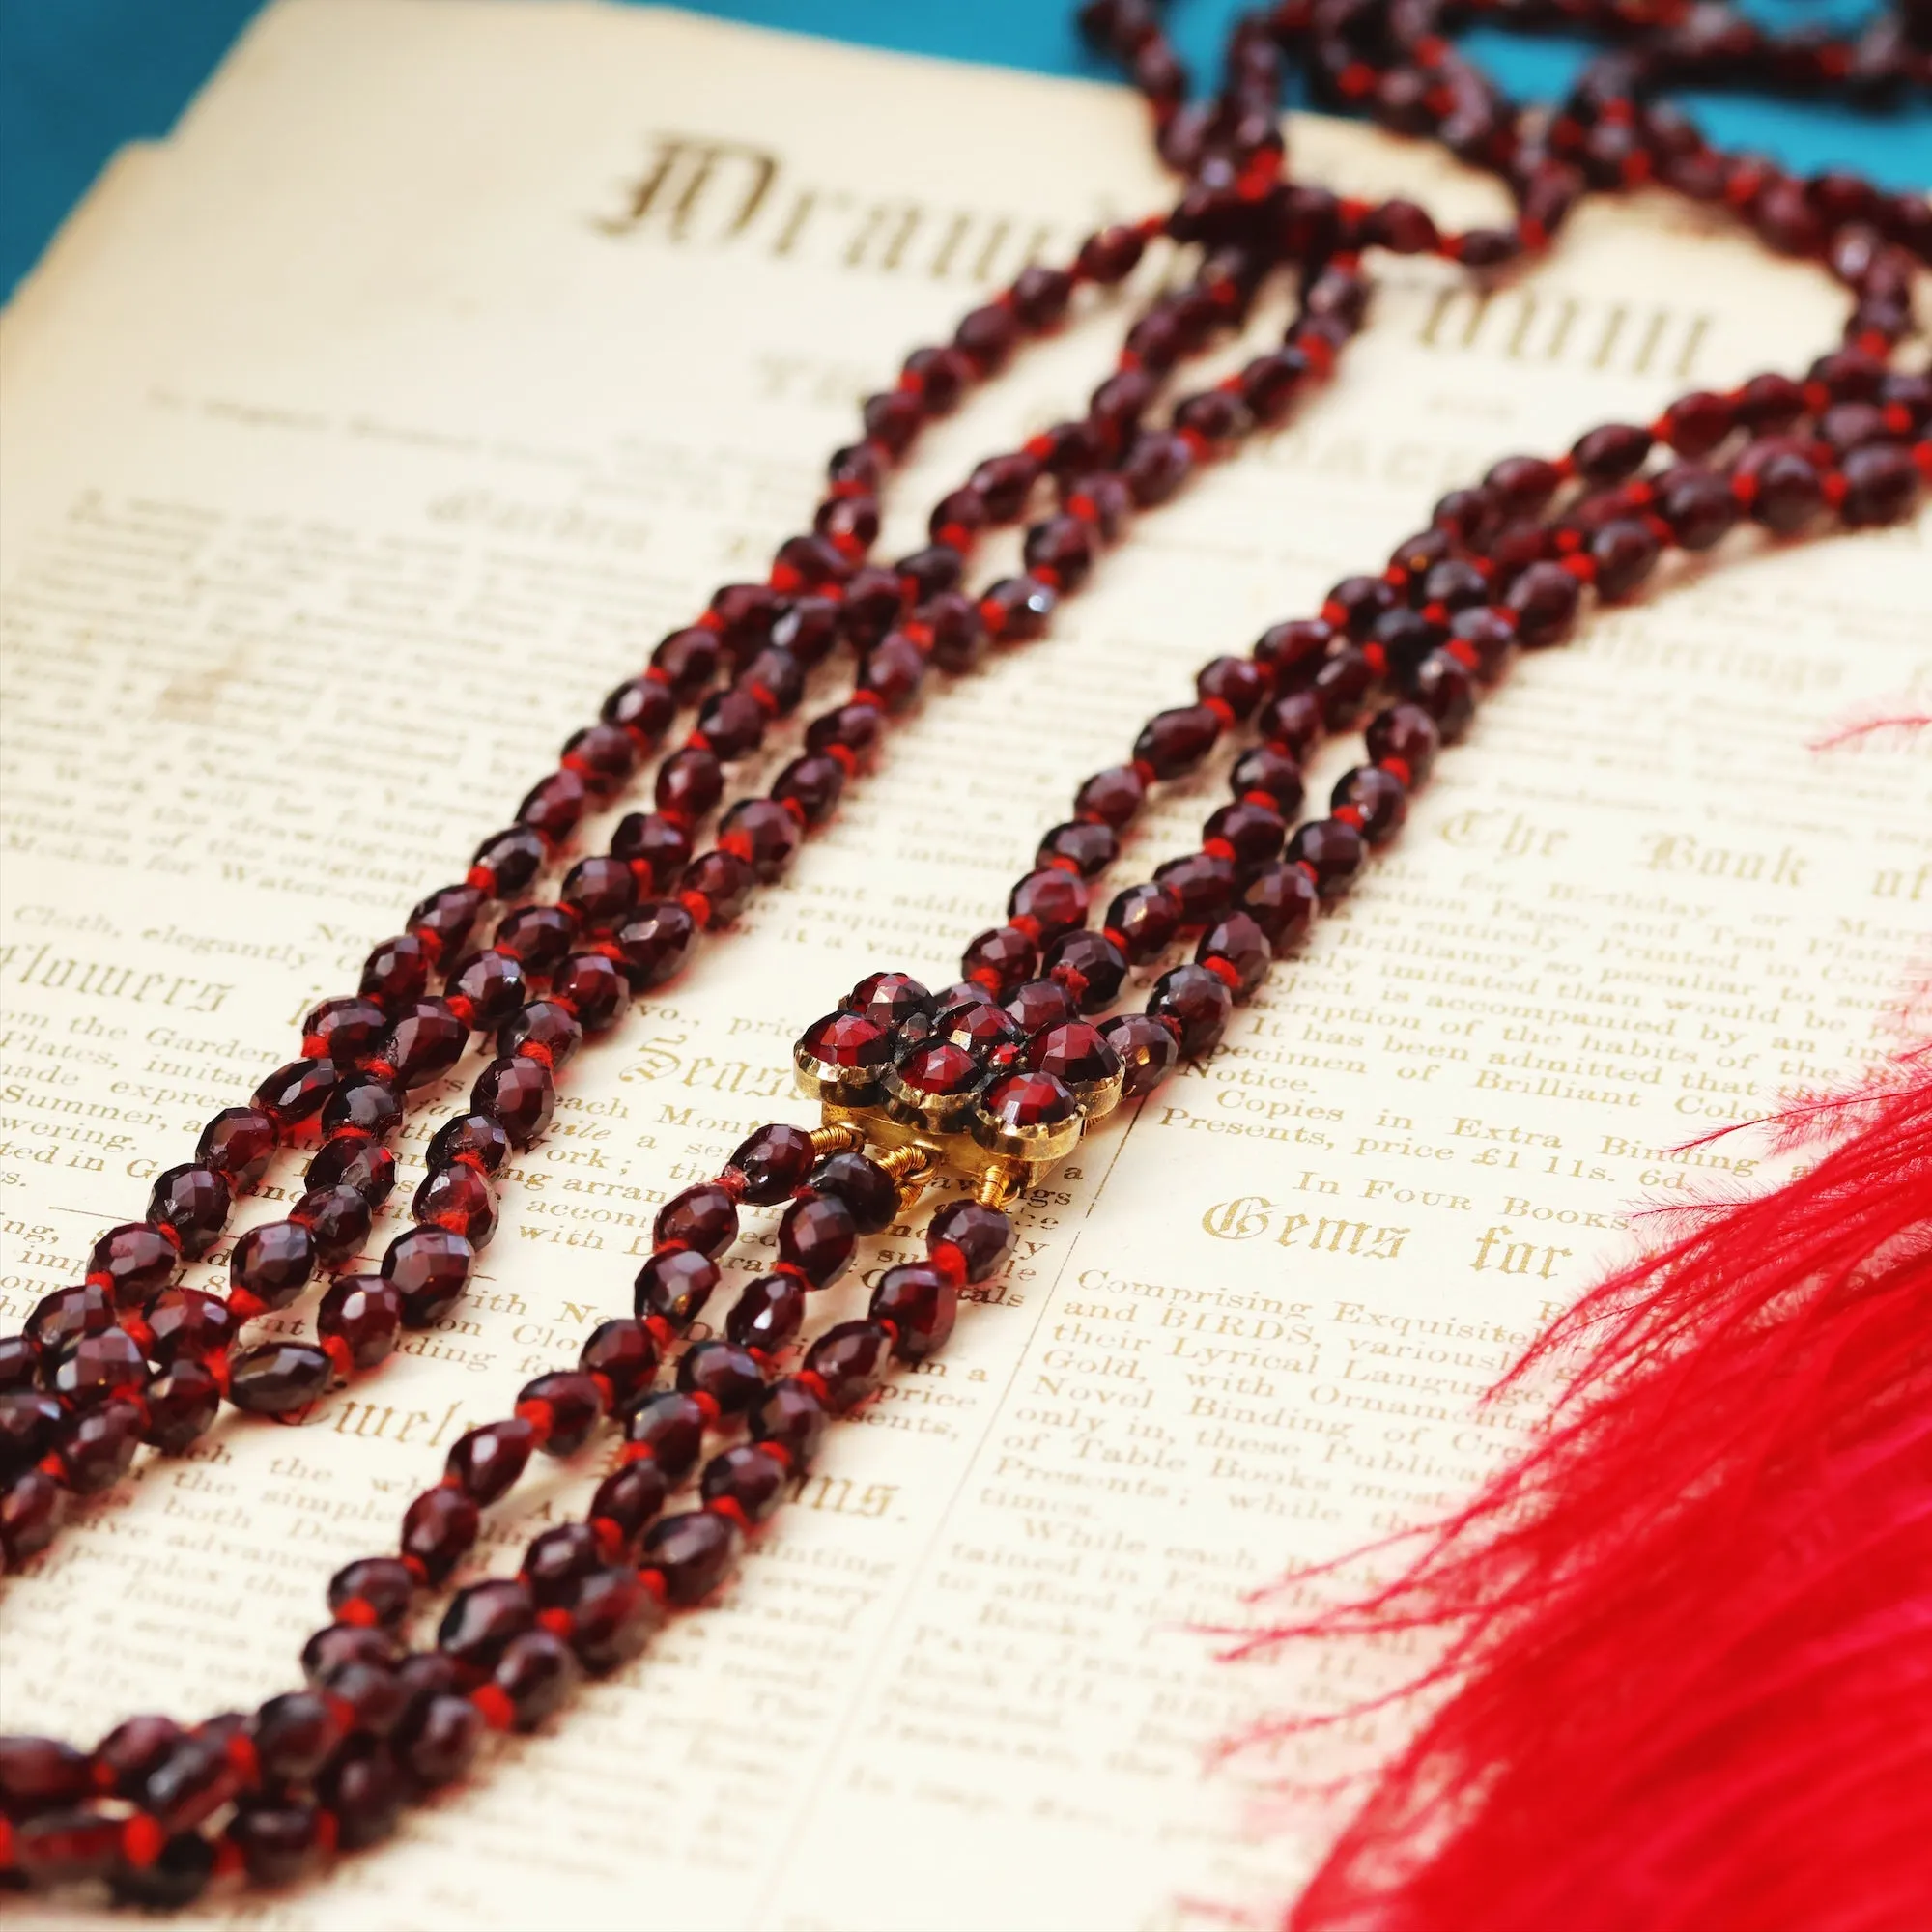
[{"x": 459, "y": 351}]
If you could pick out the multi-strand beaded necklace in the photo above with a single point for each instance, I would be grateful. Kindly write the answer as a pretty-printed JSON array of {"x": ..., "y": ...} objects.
[{"x": 976, "y": 1091}]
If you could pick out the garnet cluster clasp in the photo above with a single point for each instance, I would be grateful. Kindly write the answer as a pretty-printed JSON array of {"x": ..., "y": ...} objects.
[{"x": 996, "y": 1094}]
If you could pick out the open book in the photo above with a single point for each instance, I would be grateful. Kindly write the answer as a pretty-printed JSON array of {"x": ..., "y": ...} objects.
[{"x": 361, "y": 436}]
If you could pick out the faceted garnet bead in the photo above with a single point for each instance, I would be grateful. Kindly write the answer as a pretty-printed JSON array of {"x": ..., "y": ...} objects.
[
  {"x": 865, "y": 1187},
  {"x": 624, "y": 1354},
  {"x": 481, "y": 1621},
  {"x": 487, "y": 1462},
  {"x": 1001, "y": 959},
  {"x": 981, "y": 1237},
  {"x": 654, "y": 944},
  {"x": 98, "y": 1368},
  {"x": 888, "y": 1000},
  {"x": 359, "y": 1320},
  {"x": 439, "y": 1529},
  {"x": 843, "y": 1055},
  {"x": 131, "y": 1263},
  {"x": 1039, "y": 1003},
  {"x": 749, "y": 1480},
  {"x": 564, "y": 1408},
  {"x": 238, "y": 1144},
  {"x": 704, "y": 1217},
  {"x": 1333, "y": 850},
  {"x": 519, "y": 1093},
  {"x": 1378, "y": 799},
  {"x": 192, "y": 1200},
  {"x": 1197, "y": 1002},
  {"x": 474, "y": 1139},
  {"x": 272, "y": 1262},
  {"x": 1090, "y": 966},
  {"x": 726, "y": 1372},
  {"x": 278, "y": 1378},
  {"x": 920, "y": 1304},
  {"x": 693, "y": 1552},
  {"x": 933, "y": 1082},
  {"x": 773, "y": 1162},
  {"x": 767, "y": 1314},
  {"x": 429, "y": 1268},
  {"x": 849, "y": 1359},
  {"x": 613, "y": 1618},
  {"x": 673, "y": 1285},
  {"x": 182, "y": 1401},
  {"x": 817, "y": 1238},
  {"x": 671, "y": 1427}
]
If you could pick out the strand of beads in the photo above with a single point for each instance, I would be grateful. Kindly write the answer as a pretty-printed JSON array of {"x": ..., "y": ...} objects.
[{"x": 105, "y": 1354}]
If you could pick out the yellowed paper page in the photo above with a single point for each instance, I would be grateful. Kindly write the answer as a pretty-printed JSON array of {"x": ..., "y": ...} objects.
[{"x": 461, "y": 351}]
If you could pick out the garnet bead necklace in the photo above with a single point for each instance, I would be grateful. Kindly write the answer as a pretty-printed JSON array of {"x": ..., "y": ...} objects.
[{"x": 976, "y": 1091}]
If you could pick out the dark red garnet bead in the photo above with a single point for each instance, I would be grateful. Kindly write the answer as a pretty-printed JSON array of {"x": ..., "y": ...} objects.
[
  {"x": 790, "y": 1415},
  {"x": 1443, "y": 687},
  {"x": 30, "y": 1418},
  {"x": 813, "y": 784},
  {"x": 1333, "y": 849},
  {"x": 1197, "y": 1002},
  {"x": 1545, "y": 598},
  {"x": 1002, "y": 959},
  {"x": 182, "y": 1401},
  {"x": 762, "y": 834},
  {"x": 519, "y": 1093},
  {"x": 689, "y": 783},
  {"x": 193, "y": 1200},
  {"x": 847, "y": 1040},
  {"x": 1040, "y": 1003},
  {"x": 42, "y": 1775},
  {"x": 293, "y": 1093},
  {"x": 725, "y": 882},
  {"x": 1237, "y": 948},
  {"x": 1408, "y": 733},
  {"x": 397, "y": 971},
  {"x": 364, "y": 1315},
  {"x": 1273, "y": 773},
  {"x": 512, "y": 857},
  {"x": 294, "y": 1736},
  {"x": 767, "y": 1314},
  {"x": 939, "y": 1068},
  {"x": 671, "y": 1426},
  {"x": 849, "y": 1358},
  {"x": 983, "y": 1236},
  {"x": 1252, "y": 830},
  {"x": 919, "y": 1304},
  {"x": 653, "y": 944},
  {"x": 565, "y": 1406},
  {"x": 31, "y": 1508},
  {"x": 98, "y": 1368},
  {"x": 817, "y": 1237},
  {"x": 1174, "y": 742},
  {"x": 364, "y": 1790},
  {"x": 1086, "y": 845},
  {"x": 278, "y": 1378},
  {"x": 1111, "y": 797},
  {"x": 487, "y": 1462},
  {"x": 343, "y": 1030},
  {"x": 557, "y": 1561},
  {"x": 1378, "y": 797},
  {"x": 67, "y": 1315},
  {"x": 865, "y": 1187},
  {"x": 751, "y": 1478},
  {"x": 1148, "y": 919},
  {"x": 429, "y": 1268},
  {"x": 704, "y": 1217},
  {"x": 382, "y": 1584},
  {"x": 674, "y": 1284},
  {"x": 1090, "y": 966},
  {"x": 627, "y": 1499},
  {"x": 437, "y": 1738},
  {"x": 474, "y": 1139},
  {"x": 487, "y": 989},
  {"x": 1074, "y": 1053},
  {"x": 19, "y": 1362},
  {"x": 1204, "y": 882},
  {"x": 279, "y": 1841},
  {"x": 1052, "y": 900},
  {"x": 439, "y": 1529},
  {"x": 537, "y": 937},
  {"x": 625, "y": 1354},
  {"x": 889, "y": 999},
  {"x": 338, "y": 1217},
  {"x": 133, "y": 1262},
  {"x": 554, "y": 805},
  {"x": 481, "y": 1621},
  {"x": 613, "y": 1618},
  {"x": 1029, "y": 1101},
  {"x": 725, "y": 1372},
  {"x": 96, "y": 1446},
  {"x": 273, "y": 1262},
  {"x": 593, "y": 989},
  {"x": 693, "y": 1552},
  {"x": 772, "y": 1162},
  {"x": 1882, "y": 483},
  {"x": 659, "y": 846}
]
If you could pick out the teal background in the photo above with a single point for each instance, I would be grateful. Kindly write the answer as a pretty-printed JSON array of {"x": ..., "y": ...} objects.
[{"x": 77, "y": 78}]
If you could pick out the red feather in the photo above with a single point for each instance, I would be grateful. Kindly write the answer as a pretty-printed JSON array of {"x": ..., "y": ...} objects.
[{"x": 1685, "y": 1683}]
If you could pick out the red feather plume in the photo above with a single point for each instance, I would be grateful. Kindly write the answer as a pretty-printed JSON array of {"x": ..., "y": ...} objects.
[{"x": 1684, "y": 1676}]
